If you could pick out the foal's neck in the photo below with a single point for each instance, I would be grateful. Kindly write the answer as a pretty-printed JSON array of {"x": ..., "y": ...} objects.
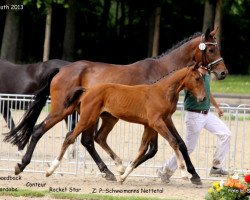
[{"x": 173, "y": 84}]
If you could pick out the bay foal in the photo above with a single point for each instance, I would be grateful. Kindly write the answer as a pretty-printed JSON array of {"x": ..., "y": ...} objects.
[{"x": 150, "y": 105}]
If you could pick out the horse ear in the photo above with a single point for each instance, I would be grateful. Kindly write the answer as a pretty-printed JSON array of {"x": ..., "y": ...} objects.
[
  {"x": 197, "y": 65},
  {"x": 213, "y": 33}
]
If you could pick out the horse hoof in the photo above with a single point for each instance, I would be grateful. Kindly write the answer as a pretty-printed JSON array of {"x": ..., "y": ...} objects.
[
  {"x": 110, "y": 177},
  {"x": 48, "y": 174},
  {"x": 121, "y": 169},
  {"x": 196, "y": 181},
  {"x": 120, "y": 181},
  {"x": 17, "y": 169}
]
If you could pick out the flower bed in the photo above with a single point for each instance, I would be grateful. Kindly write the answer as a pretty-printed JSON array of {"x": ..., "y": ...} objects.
[{"x": 235, "y": 187}]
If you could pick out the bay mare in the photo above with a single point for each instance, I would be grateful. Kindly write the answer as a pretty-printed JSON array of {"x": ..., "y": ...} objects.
[
  {"x": 87, "y": 74},
  {"x": 149, "y": 105},
  {"x": 22, "y": 79}
]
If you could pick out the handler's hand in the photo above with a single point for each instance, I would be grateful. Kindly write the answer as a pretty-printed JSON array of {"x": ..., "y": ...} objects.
[{"x": 219, "y": 111}]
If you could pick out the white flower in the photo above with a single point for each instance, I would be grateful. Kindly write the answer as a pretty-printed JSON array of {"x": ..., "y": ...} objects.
[
  {"x": 222, "y": 183},
  {"x": 235, "y": 176}
]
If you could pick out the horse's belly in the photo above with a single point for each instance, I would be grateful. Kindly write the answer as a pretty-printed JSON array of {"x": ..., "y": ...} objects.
[{"x": 129, "y": 117}]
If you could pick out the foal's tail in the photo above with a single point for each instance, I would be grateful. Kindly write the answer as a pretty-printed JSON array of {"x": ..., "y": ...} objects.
[
  {"x": 73, "y": 96},
  {"x": 22, "y": 133}
]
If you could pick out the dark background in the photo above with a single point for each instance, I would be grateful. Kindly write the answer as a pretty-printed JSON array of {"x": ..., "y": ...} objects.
[{"x": 124, "y": 37}]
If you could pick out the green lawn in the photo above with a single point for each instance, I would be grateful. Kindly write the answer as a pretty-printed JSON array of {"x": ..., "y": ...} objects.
[
  {"x": 232, "y": 84},
  {"x": 73, "y": 196}
]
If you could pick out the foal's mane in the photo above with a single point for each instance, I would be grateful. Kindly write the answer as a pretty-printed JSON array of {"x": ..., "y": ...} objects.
[
  {"x": 169, "y": 74},
  {"x": 178, "y": 44}
]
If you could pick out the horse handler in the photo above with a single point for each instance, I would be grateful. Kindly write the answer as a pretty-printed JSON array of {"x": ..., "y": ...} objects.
[{"x": 198, "y": 117}]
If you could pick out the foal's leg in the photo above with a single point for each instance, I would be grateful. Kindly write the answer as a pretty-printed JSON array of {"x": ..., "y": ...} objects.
[
  {"x": 153, "y": 148},
  {"x": 54, "y": 117},
  {"x": 87, "y": 120},
  {"x": 108, "y": 122},
  {"x": 182, "y": 147},
  {"x": 146, "y": 138},
  {"x": 178, "y": 145},
  {"x": 71, "y": 121}
]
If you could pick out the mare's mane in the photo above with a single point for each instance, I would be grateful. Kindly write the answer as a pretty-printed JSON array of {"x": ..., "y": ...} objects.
[{"x": 178, "y": 44}]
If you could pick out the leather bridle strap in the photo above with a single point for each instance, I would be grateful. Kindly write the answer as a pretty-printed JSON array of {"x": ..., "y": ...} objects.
[{"x": 208, "y": 66}]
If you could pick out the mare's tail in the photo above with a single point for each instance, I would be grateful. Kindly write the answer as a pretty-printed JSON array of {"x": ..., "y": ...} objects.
[{"x": 22, "y": 133}]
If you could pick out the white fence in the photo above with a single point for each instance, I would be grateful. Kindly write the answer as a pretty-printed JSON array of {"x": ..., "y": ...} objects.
[{"x": 125, "y": 140}]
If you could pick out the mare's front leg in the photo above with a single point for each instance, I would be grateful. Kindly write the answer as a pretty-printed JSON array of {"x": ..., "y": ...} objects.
[
  {"x": 195, "y": 179},
  {"x": 108, "y": 122},
  {"x": 146, "y": 138}
]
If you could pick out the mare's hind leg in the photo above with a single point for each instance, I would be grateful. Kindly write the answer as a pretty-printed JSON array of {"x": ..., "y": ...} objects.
[
  {"x": 54, "y": 117},
  {"x": 146, "y": 138},
  {"x": 108, "y": 122},
  {"x": 88, "y": 119},
  {"x": 183, "y": 149}
]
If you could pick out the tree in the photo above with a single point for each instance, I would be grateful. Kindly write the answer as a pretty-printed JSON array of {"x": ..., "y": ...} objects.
[
  {"x": 218, "y": 20},
  {"x": 46, "y": 46},
  {"x": 154, "y": 32},
  {"x": 69, "y": 35},
  {"x": 209, "y": 15},
  {"x": 47, "y": 5},
  {"x": 105, "y": 17},
  {"x": 10, "y": 34}
]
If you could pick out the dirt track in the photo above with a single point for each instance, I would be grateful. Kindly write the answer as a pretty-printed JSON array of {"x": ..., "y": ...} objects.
[
  {"x": 153, "y": 187},
  {"x": 125, "y": 142}
]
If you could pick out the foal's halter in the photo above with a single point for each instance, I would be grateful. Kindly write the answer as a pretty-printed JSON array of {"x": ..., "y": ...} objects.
[{"x": 202, "y": 47}]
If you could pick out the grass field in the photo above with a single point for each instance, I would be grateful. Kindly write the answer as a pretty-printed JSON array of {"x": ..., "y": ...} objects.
[
  {"x": 232, "y": 84},
  {"x": 37, "y": 194}
]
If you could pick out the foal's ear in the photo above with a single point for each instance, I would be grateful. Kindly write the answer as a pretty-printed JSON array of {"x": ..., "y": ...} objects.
[{"x": 197, "y": 65}]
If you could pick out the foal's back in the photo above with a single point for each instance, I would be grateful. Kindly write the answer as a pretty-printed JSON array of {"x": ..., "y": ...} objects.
[{"x": 130, "y": 103}]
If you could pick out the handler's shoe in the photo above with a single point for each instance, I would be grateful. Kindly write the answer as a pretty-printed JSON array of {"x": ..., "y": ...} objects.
[
  {"x": 218, "y": 172},
  {"x": 164, "y": 175}
]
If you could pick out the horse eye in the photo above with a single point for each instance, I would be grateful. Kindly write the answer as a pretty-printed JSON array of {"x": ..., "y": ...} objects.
[
  {"x": 211, "y": 50},
  {"x": 197, "y": 79}
]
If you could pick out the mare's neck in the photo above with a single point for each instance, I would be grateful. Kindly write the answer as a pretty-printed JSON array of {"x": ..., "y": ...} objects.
[{"x": 179, "y": 57}]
